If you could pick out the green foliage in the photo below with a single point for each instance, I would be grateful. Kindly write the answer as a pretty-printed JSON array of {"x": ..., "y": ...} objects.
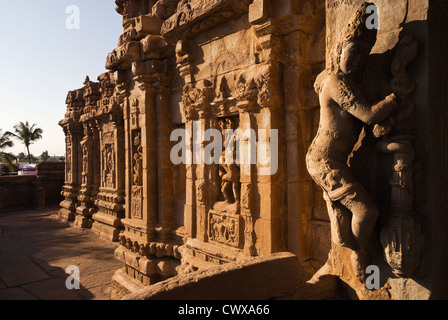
[
  {"x": 5, "y": 140},
  {"x": 27, "y": 135},
  {"x": 22, "y": 157},
  {"x": 7, "y": 158},
  {"x": 9, "y": 161},
  {"x": 45, "y": 156}
]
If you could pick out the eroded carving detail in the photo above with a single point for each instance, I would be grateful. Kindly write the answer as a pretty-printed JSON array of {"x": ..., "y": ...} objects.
[
  {"x": 345, "y": 105},
  {"x": 109, "y": 166},
  {"x": 401, "y": 236},
  {"x": 225, "y": 228},
  {"x": 136, "y": 199},
  {"x": 137, "y": 159}
]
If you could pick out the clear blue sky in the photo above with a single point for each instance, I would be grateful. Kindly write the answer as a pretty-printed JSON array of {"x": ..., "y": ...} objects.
[{"x": 41, "y": 60}]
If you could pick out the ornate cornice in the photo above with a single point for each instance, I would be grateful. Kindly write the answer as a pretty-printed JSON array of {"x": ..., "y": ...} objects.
[{"x": 198, "y": 16}]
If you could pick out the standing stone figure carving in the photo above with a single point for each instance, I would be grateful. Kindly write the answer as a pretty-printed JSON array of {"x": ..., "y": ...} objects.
[
  {"x": 230, "y": 175},
  {"x": 229, "y": 171},
  {"x": 109, "y": 166},
  {"x": 68, "y": 165},
  {"x": 84, "y": 160},
  {"x": 138, "y": 158},
  {"x": 345, "y": 110},
  {"x": 85, "y": 164}
]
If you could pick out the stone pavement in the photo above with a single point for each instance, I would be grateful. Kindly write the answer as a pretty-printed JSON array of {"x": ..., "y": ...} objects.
[{"x": 35, "y": 251}]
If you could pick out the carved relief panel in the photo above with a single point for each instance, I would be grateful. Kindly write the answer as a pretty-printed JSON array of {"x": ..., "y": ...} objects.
[
  {"x": 137, "y": 175},
  {"x": 108, "y": 159},
  {"x": 68, "y": 164},
  {"x": 225, "y": 228},
  {"x": 86, "y": 157},
  {"x": 136, "y": 161}
]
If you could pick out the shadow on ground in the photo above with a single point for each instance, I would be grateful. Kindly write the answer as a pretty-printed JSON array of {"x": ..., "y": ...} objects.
[{"x": 36, "y": 250}]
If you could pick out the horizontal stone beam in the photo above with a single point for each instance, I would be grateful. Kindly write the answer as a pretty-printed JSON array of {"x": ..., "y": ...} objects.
[{"x": 267, "y": 277}]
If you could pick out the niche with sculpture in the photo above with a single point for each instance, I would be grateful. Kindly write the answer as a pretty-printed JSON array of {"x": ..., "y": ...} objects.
[{"x": 224, "y": 218}]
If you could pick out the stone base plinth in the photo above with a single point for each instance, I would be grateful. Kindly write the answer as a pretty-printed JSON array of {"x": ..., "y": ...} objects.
[
  {"x": 106, "y": 232},
  {"x": 66, "y": 215},
  {"x": 107, "y": 226},
  {"x": 198, "y": 255},
  {"x": 123, "y": 285},
  {"x": 143, "y": 270},
  {"x": 340, "y": 266},
  {"x": 82, "y": 222},
  {"x": 276, "y": 276}
]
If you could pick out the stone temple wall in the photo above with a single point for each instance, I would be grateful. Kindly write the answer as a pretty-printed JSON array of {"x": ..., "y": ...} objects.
[
  {"x": 274, "y": 69},
  {"x": 33, "y": 191}
]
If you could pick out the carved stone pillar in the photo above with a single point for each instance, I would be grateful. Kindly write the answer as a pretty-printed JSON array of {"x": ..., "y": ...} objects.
[
  {"x": 401, "y": 236},
  {"x": 190, "y": 173},
  {"x": 141, "y": 196},
  {"x": 201, "y": 182},
  {"x": 140, "y": 67},
  {"x": 86, "y": 198},
  {"x": 270, "y": 124},
  {"x": 111, "y": 197},
  {"x": 73, "y": 136},
  {"x": 248, "y": 173},
  {"x": 164, "y": 164}
]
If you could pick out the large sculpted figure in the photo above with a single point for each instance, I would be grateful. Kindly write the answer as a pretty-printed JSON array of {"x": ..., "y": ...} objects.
[{"x": 345, "y": 110}]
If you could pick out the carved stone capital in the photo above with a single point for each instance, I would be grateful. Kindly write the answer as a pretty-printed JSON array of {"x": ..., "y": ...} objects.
[
  {"x": 122, "y": 57},
  {"x": 197, "y": 101}
]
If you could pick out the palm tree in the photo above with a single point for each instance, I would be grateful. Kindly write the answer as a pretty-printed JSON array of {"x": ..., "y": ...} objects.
[
  {"x": 45, "y": 156},
  {"x": 27, "y": 135},
  {"x": 5, "y": 142}
]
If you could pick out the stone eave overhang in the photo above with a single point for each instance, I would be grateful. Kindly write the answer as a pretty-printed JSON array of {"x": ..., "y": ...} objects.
[{"x": 202, "y": 16}]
